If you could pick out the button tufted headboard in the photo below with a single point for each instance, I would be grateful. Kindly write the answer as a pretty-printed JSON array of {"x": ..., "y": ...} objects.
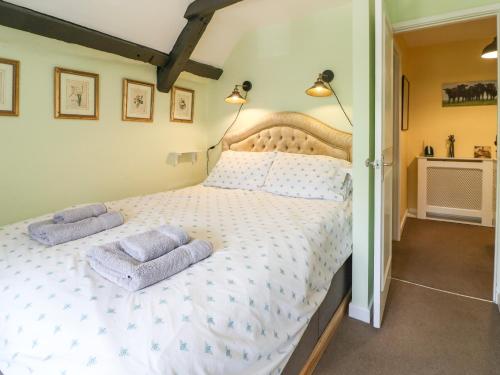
[{"x": 292, "y": 132}]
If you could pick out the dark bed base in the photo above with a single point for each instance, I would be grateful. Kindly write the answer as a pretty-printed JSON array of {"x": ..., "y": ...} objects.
[{"x": 339, "y": 288}]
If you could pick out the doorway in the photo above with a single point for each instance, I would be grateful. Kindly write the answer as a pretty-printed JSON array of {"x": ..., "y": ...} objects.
[{"x": 444, "y": 202}]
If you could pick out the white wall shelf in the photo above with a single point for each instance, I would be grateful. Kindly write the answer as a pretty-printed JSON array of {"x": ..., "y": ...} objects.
[{"x": 174, "y": 156}]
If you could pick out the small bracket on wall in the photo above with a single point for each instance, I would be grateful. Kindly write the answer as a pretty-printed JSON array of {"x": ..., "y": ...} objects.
[{"x": 173, "y": 157}]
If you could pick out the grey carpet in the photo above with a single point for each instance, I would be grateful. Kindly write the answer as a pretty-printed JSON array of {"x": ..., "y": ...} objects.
[
  {"x": 449, "y": 256},
  {"x": 424, "y": 333}
]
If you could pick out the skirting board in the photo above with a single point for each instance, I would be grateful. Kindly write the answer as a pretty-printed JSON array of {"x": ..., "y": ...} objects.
[
  {"x": 326, "y": 337},
  {"x": 403, "y": 222},
  {"x": 412, "y": 212},
  {"x": 361, "y": 313}
]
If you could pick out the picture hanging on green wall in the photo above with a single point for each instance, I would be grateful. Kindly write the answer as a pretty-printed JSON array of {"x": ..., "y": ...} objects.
[
  {"x": 9, "y": 87},
  {"x": 76, "y": 95},
  {"x": 181, "y": 105},
  {"x": 138, "y": 101}
]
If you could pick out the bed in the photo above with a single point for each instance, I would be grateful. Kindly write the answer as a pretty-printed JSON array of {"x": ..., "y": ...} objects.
[{"x": 256, "y": 306}]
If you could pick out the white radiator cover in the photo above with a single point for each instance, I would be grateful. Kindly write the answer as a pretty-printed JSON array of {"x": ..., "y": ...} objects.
[{"x": 457, "y": 189}]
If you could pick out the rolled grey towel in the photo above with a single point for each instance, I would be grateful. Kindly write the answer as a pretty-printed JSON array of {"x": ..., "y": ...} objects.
[
  {"x": 112, "y": 263},
  {"x": 52, "y": 234},
  {"x": 154, "y": 243},
  {"x": 72, "y": 215}
]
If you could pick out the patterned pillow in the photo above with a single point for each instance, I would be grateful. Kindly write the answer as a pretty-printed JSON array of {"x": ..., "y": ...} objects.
[
  {"x": 309, "y": 176},
  {"x": 241, "y": 170}
]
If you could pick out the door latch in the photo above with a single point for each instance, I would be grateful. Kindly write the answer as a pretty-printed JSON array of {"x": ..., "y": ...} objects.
[{"x": 373, "y": 163}]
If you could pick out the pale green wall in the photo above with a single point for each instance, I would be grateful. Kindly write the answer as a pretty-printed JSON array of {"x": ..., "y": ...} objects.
[
  {"x": 47, "y": 164},
  {"x": 283, "y": 60},
  {"x": 405, "y": 10},
  {"x": 363, "y": 148}
]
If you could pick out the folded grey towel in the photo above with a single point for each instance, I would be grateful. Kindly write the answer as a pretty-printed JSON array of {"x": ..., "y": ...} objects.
[
  {"x": 111, "y": 262},
  {"x": 49, "y": 233},
  {"x": 72, "y": 215},
  {"x": 154, "y": 243}
]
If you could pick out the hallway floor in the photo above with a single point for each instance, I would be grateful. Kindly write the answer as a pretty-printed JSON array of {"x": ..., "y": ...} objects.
[
  {"x": 425, "y": 332},
  {"x": 449, "y": 256}
]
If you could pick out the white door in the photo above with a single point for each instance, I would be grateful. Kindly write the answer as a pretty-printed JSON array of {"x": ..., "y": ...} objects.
[{"x": 383, "y": 161}]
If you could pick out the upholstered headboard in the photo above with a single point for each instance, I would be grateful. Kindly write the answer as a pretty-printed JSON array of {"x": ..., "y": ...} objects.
[{"x": 291, "y": 132}]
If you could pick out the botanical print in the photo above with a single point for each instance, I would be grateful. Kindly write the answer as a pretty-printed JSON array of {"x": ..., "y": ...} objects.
[
  {"x": 77, "y": 94},
  {"x": 2, "y": 86},
  {"x": 469, "y": 93},
  {"x": 483, "y": 152},
  {"x": 138, "y": 101},
  {"x": 139, "y": 98},
  {"x": 182, "y": 105},
  {"x": 9, "y": 87}
]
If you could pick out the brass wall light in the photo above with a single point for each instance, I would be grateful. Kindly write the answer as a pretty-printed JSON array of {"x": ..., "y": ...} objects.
[
  {"x": 322, "y": 89},
  {"x": 491, "y": 50},
  {"x": 235, "y": 97}
]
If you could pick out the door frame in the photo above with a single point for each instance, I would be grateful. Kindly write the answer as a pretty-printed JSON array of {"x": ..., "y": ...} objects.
[
  {"x": 382, "y": 266},
  {"x": 397, "y": 228},
  {"x": 453, "y": 17}
]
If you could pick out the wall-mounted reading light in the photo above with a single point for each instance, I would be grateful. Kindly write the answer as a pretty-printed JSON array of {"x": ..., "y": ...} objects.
[
  {"x": 234, "y": 98},
  {"x": 491, "y": 50},
  {"x": 319, "y": 89},
  {"x": 322, "y": 88}
]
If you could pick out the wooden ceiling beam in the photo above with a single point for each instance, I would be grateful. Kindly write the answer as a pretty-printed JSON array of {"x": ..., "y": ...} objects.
[
  {"x": 25, "y": 19},
  {"x": 201, "y": 8},
  {"x": 181, "y": 52},
  {"x": 198, "y": 13}
]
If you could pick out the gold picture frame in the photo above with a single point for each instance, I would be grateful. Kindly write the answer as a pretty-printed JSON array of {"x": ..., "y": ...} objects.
[
  {"x": 138, "y": 101},
  {"x": 76, "y": 94},
  {"x": 9, "y": 87},
  {"x": 181, "y": 105}
]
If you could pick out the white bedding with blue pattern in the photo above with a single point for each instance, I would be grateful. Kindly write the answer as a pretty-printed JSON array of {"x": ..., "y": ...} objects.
[{"x": 241, "y": 311}]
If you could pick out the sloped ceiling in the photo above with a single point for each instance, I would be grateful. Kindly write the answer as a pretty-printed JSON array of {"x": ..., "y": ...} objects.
[{"x": 158, "y": 23}]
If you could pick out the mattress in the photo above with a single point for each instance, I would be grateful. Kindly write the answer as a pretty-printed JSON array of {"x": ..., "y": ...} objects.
[{"x": 241, "y": 311}]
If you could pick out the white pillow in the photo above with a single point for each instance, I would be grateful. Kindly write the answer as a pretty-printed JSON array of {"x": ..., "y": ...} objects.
[
  {"x": 241, "y": 170},
  {"x": 309, "y": 176}
]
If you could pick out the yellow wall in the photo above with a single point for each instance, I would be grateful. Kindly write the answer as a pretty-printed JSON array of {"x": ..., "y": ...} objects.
[
  {"x": 403, "y": 137},
  {"x": 47, "y": 164},
  {"x": 428, "y": 68}
]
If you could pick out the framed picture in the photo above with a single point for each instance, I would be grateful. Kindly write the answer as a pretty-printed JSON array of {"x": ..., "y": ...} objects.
[
  {"x": 482, "y": 152},
  {"x": 181, "y": 104},
  {"x": 469, "y": 93},
  {"x": 76, "y": 95},
  {"x": 9, "y": 87},
  {"x": 138, "y": 101},
  {"x": 405, "y": 103}
]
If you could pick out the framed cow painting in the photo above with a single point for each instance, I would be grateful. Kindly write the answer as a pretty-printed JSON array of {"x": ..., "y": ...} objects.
[{"x": 469, "y": 93}]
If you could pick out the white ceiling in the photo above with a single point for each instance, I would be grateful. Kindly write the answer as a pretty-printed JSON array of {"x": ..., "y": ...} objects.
[
  {"x": 482, "y": 28},
  {"x": 230, "y": 24},
  {"x": 158, "y": 23}
]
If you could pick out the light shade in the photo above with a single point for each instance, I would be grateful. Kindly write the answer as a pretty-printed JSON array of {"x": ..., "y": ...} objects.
[
  {"x": 235, "y": 97},
  {"x": 491, "y": 50},
  {"x": 319, "y": 89}
]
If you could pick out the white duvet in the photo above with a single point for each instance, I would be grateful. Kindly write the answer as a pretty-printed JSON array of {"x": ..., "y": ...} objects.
[{"x": 241, "y": 311}]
